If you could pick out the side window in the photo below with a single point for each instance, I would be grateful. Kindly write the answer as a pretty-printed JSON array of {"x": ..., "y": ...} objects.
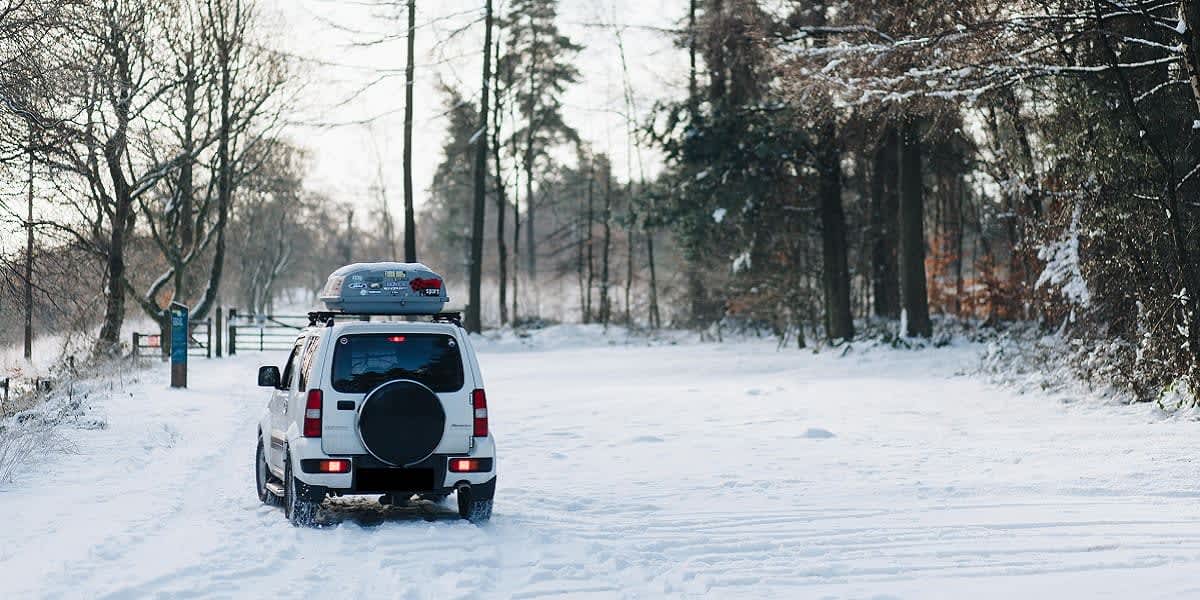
[
  {"x": 306, "y": 362},
  {"x": 285, "y": 382}
]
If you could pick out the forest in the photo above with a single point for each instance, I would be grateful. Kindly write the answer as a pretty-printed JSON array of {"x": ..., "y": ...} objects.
[{"x": 831, "y": 172}]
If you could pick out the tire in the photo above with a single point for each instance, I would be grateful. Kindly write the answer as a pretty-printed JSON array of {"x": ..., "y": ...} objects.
[
  {"x": 262, "y": 475},
  {"x": 298, "y": 509},
  {"x": 401, "y": 422},
  {"x": 475, "y": 511}
]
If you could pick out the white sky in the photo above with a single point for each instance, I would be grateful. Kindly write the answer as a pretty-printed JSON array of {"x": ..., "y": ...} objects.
[{"x": 331, "y": 33}]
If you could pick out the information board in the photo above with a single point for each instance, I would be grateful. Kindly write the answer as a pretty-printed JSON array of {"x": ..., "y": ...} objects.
[{"x": 179, "y": 345}]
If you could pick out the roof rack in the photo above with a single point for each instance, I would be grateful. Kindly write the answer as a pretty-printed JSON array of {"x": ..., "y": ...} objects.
[{"x": 327, "y": 317}]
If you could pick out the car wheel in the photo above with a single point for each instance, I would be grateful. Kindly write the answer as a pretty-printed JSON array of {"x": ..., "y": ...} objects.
[
  {"x": 298, "y": 509},
  {"x": 262, "y": 475},
  {"x": 475, "y": 511}
]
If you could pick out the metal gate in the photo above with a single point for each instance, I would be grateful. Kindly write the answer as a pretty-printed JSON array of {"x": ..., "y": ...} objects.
[
  {"x": 200, "y": 341},
  {"x": 261, "y": 333}
]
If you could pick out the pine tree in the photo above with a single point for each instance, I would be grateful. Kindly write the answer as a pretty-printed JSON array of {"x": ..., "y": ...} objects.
[{"x": 539, "y": 56}]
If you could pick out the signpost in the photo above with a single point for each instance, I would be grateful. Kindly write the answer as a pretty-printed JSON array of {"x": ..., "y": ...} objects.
[{"x": 179, "y": 345}]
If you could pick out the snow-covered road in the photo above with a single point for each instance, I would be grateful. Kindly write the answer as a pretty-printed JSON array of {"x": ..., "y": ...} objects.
[{"x": 645, "y": 472}]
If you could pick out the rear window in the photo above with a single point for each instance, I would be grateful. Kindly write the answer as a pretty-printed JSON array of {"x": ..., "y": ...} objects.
[{"x": 362, "y": 362}]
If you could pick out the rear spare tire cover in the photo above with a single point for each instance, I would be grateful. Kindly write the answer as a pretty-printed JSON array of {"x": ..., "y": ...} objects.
[{"x": 401, "y": 422}]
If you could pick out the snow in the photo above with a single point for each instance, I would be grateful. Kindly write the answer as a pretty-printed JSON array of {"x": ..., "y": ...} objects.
[
  {"x": 1062, "y": 263},
  {"x": 636, "y": 468},
  {"x": 741, "y": 262},
  {"x": 718, "y": 215}
]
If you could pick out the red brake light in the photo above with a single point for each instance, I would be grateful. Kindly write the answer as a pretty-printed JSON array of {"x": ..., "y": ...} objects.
[
  {"x": 464, "y": 465},
  {"x": 479, "y": 403},
  {"x": 312, "y": 414},
  {"x": 334, "y": 466},
  {"x": 420, "y": 284},
  {"x": 396, "y": 338}
]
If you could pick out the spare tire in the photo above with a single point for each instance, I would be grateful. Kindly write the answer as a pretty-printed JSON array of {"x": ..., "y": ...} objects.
[{"x": 401, "y": 422}]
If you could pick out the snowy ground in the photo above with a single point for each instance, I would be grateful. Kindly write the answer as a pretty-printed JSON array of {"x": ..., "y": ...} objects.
[{"x": 630, "y": 471}]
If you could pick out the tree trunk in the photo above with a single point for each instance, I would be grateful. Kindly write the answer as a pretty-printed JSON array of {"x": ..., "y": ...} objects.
[
  {"x": 885, "y": 281},
  {"x": 693, "y": 90},
  {"x": 959, "y": 227},
  {"x": 591, "y": 224},
  {"x": 631, "y": 245},
  {"x": 109, "y": 341},
  {"x": 410, "y": 223},
  {"x": 29, "y": 257},
  {"x": 716, "y": 67},
  {"x": 655, "y": 318},
  {"x": 231, "y": 38},
  {"x": 501, "y": 192},
  {"x": 474, "y": 322},
  {"x": 605, "y": 304},
  {"x": 581, "y": 281},
  {"x": 530, "y": 133},
  {"x": 516, "y": 259},
  {"x": 913, "y": 293},
  {"x": 530, "y": 244},
  {"x": 1189, "y": 11},
  {"x": 114, "y": 291},
  {"x": 183, "y": 213},
  {"x": 839, "y": 324}
]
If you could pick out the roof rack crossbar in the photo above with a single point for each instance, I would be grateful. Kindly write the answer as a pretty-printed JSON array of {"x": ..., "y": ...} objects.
[{"x": 327, "y": 317}]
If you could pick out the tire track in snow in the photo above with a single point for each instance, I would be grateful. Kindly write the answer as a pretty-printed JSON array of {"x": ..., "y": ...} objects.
[{"x": 641, "y": 473}]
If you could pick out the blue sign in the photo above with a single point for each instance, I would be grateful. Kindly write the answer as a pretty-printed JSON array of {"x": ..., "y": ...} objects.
[{"x": 179, "y": 333}]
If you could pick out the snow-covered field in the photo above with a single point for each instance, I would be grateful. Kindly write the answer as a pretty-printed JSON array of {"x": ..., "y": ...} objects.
[{"x": 635, "y": 471}]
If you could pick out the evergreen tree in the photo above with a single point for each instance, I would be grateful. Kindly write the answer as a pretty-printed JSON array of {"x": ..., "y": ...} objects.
[{"x": 539, "y": 57}]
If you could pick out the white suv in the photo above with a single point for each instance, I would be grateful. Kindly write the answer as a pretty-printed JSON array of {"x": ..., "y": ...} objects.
[{"x": 386, "y": 408}]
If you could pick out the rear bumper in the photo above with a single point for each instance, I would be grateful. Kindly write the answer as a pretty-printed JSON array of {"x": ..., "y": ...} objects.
[{"x": 430, "y": 475}]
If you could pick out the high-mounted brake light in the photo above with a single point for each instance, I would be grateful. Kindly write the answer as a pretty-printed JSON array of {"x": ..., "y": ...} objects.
[
  {"x": 312, "y": 414},
  {"x": 425, "y": 283},
  {"x": 396, "y": 338},
  {"x": 479, "y": 403}
]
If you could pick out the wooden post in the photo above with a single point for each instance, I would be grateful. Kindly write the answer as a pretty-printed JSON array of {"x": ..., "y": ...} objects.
[
  {"x": 232, "y": 332},
  {"x": 164, "y": 339},
  {"x": 208, "y": 325},
  {"x": 218, "y": 332},
  {"x": 136, "y": 350}
]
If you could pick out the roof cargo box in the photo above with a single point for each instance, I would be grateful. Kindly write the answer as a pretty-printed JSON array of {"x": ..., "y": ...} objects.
[{"x": 385, "y": 288}]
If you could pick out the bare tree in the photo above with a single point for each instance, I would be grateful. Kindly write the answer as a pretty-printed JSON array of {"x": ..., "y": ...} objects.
[
  {"x": 221, "y": 114},
  {"x": 116, "y": 83}
]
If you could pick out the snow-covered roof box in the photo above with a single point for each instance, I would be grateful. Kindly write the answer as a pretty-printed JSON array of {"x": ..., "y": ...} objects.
[{"x": 385, "y": 288}]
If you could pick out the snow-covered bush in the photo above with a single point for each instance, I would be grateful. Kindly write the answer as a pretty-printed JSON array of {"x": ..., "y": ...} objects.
[{"x": 36, "y": 420}]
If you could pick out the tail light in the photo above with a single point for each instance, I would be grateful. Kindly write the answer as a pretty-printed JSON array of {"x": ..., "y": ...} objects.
[
  {"x": 312, "y": 414},
  {"x": 470, "y": 465},
  {"x": 333, "y": 466},
  {"x": 479, "y": 402}
]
